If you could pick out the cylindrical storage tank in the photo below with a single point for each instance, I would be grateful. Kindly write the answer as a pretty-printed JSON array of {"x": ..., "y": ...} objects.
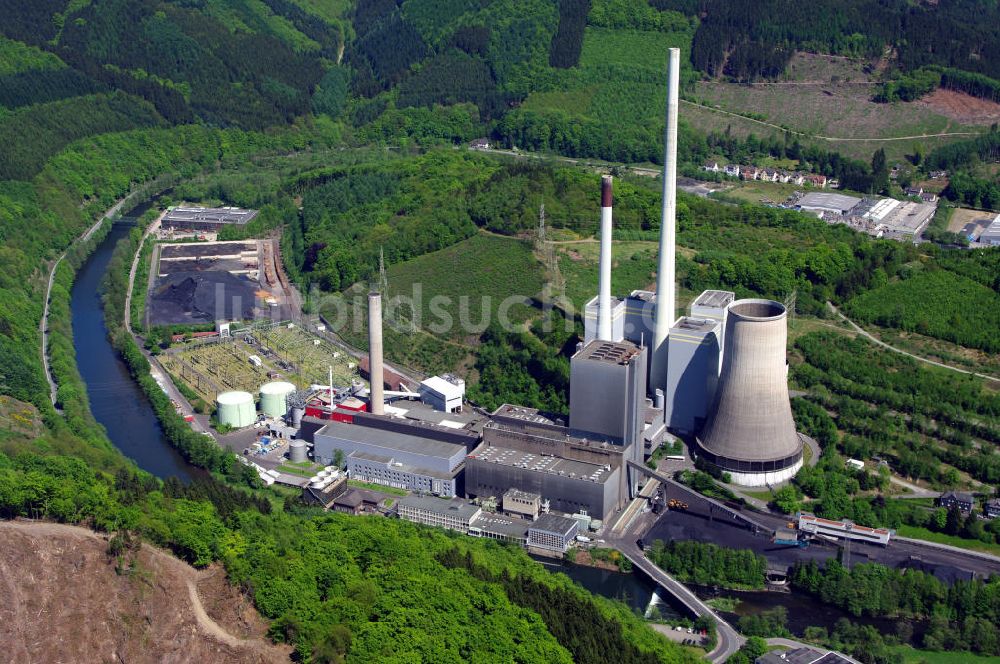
[
  {"x": 297, "y": 451},
  {"x": 236, "y": 409},
  {"x": 750, "y": 432},
  {"x": 297, "y": 414},
  {"x": 274, "y": 398}
]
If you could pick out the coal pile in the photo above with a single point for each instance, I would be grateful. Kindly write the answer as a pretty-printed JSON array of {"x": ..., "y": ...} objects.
[{"x": 199, "y": 297}]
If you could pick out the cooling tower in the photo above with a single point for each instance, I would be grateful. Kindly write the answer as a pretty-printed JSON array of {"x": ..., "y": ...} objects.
[{"x": 750, "y": 432}]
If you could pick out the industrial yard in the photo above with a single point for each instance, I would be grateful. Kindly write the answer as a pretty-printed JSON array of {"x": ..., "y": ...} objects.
[{"x": 247, "y": 359}]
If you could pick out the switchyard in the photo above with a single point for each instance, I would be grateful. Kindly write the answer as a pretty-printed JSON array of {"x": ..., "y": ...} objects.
[{"x": 249, "y": 358}]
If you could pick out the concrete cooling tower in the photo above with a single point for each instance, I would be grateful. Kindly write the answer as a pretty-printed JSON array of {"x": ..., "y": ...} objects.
[{"x": 750, "y": 432}]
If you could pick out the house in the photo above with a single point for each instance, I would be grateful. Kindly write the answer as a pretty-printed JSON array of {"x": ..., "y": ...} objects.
[
  {"x": 770, "y": 175},
  {"x": 960, "y": 499},
  {"x": 733, "y": 170},
  {"x": 750, "y": 173},
  {"x": 855, "y": 464},
  {"x": 711, "y": 166},
  {"x": 797, "y": 178},
  {"x": 914, "y": 191},
  {"x": 815, "y": 180},
  {"x": 928, "y": 197},
  {"x": 991, "y": 508},
  {"x": 480, "y": 144},
  {"x": 784, "y": 176},
  {"x": 349, "y": 502},
  {"x": 937, "y": 175}
]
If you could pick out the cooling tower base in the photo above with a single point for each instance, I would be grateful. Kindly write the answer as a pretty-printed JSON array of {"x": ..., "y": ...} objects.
[{"x": 769, "y": 478}]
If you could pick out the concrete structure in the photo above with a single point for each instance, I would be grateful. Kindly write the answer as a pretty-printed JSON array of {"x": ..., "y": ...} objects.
[
  {"x": 591, "y": 312},
  {"x": 960, "y": 499},
  {"x": 750, "y": 432},
  {"x": 522, "y": 503},
  {"x": 443, "y": 393},
  {"x": 376, "y": 399},
  {"x": 692, "y": 374},
  {"x": 991, "y": 234},
  {"x": 827, "y": 202},
  {"x": 666, "y": 309},
  {"x": 402, "y": 460},
  {"x": 640, "y": 317},
  {"x": 607, "y": 391},
  {"x": 552, "y": 533},
  {"x": 712, "y": 304},
  {"x": 298, "y": 451},
  {"x": 204, "y": 219},
  {"x": 846, "y": 529},
  {"x": 274, "y": 398},
  {"x": 604, "y": 268},
  {"x": 452, "y": 514},
  {"x": 568, "y": 485},
  {"x": 236, "y": 409}
]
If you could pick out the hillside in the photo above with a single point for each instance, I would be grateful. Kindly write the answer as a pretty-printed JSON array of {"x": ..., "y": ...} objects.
[{"x": 64, "y": 600}]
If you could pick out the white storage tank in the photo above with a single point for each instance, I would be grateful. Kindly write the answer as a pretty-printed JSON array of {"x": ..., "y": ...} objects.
[
  {"x": 274, "y": 398},
  {"x": 297, "y": 451},
  {"x": 236, "y": 409}
]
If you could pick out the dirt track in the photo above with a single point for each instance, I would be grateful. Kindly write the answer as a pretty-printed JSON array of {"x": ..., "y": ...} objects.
[{"x": 63, "y": 602}]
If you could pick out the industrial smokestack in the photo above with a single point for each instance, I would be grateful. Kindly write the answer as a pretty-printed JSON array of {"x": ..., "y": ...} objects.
[
  {"x": 665, "y": 306},
  {"x": 604, "y": 284},
  {"x": 750, "y": 432},
  {"x": 375, "y": 398}
]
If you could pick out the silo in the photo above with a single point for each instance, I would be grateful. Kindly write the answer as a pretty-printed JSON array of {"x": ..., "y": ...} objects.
[
  {"x": 298, "y": 412},
  {"x": 297, "y": 451},
  {"x": 274, "y": 398},
  {"x": 236, "y": 409},
  {"x": 750, "y": 432}
]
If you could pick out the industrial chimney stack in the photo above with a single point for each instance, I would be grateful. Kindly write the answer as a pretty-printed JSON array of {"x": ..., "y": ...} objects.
[
  {"x": 665, "y": 281},
  {"x": 604, "y": 284},
  {"x": 376, "y": 399}
]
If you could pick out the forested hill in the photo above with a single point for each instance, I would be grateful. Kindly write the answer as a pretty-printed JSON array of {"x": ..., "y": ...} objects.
[{"x": 752, "y": 40}]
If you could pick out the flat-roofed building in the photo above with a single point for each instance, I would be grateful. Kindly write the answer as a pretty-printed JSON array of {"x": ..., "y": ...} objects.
[
  {"x": 590, "y": 312},
  {"x": 694, "y": 356},
  {"x": 444, "y": 393},
  {"x": 193, "y": 218},
  {"x": 393, "y": 458},
  {"x": 827, "y": 202},
  {"x": 449, "y": 514},
  {"x": 552, "y": 532},
  {"x": 522, "y": 503}
]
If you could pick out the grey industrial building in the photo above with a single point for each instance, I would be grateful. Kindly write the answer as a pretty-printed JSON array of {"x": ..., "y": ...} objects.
[
  {"x": 607, "y": 391},
  {"x": 204, "y": 219},
  {"x": 827, "y": 202},
  {"x": 552, "y": 533},
  {"x": 618, "y": 315},
  {"x": 692, "y": 372},
  {"x": 393, "y": 457},
  {"x": 451, "y": 514}
]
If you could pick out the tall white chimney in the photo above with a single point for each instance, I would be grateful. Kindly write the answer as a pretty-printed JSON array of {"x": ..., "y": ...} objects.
[
  {"x": 376, "y": 400},
  {"x": 604, "y": 284},
  {"x": 666, "y": 307}
]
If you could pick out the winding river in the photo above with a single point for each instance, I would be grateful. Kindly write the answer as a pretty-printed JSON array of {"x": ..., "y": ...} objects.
[{"x": 116, "y": 400}]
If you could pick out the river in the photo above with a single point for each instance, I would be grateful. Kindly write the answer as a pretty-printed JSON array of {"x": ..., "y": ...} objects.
[{"x": 116, "y": 400}]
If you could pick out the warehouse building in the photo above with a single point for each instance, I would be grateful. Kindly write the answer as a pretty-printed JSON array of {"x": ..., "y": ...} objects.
[
  {"x": 393, "y": 458},
  {"x": 827, "y": 202},
  {"x": 205, "y": 220},
  {"x": 991, "y": 234}
]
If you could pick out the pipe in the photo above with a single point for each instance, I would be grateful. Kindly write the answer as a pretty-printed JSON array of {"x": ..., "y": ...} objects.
[
  {"x": 376, "y": 401},
  {"x": 665, "y": 279},
  {"x": 604, "y": 283}
]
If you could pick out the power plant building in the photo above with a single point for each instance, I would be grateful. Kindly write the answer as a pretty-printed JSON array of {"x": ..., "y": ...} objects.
[
  {"x": 607, "y": 393},
  {"x": 750, "y": 432},
  {"x": 692, "y": 372},
  {"x": 202, "y": 219},
  {"x": 591, "y": 312},
  {"x": 399, "y": 459}
]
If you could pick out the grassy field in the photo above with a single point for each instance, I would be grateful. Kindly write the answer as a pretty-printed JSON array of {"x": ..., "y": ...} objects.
[
  {"x": 941, "y": 538},
  {"x": 440, "y": 302},
  {"x": 913, "y": 656},
  {"x": 393, "y": 491}
]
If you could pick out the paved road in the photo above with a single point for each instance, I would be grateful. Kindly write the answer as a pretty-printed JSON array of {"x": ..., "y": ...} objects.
[
  {"x": 857, "y": 328},
  {"x": 729, "y": 640},
  {"x": 131, "y": 273},
  {"x": 43, "y": 324}
]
